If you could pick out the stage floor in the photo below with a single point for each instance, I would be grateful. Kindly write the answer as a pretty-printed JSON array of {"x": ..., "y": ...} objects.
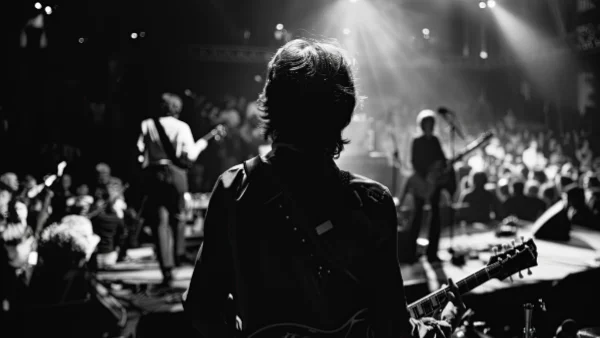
[{"x": 555, "y": 262}]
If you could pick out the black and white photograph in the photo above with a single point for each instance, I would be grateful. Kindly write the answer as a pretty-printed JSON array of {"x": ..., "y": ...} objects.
[{"x": 300, "y": 169}]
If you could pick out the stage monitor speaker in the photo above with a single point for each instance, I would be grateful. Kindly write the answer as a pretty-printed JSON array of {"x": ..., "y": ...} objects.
[{"x": 553, "y": 224}]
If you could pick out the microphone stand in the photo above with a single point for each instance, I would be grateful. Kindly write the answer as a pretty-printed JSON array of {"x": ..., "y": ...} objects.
[
  {"x": 395, "y": 160},
  {"x": 454, "y": 130}
]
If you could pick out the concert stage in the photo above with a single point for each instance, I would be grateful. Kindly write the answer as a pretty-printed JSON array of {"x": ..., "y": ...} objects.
[{"x": 566, "y": 278}]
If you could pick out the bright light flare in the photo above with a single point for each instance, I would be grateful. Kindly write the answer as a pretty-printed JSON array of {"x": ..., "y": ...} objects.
[
  {"x": 37, "y": 5},
  {"x": 346, "y": 31},
  {"x": 491, "y": 3},
  {"x": 426, "y": 31},
  {"x": 279, "y": 26},
  {"x": 483, "y": 54},
  {"x": 536, "y": 52},
  {"x": 48, "y": 10},
  {"x": 81, "y": 40},
  {"x": 134, "y": 35},
  {"x": 482, "y": 5},
  {"x": 353, "y": 1}
]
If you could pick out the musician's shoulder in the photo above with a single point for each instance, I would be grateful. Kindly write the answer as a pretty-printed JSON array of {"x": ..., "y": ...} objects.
[
  {"x": 228, "y": 176},
  {"x": 243, "y": 169},
  {"x": 369, "y": 188}
]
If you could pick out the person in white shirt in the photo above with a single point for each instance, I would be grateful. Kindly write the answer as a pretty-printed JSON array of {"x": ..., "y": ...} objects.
[{"x": 165, "y": 183}]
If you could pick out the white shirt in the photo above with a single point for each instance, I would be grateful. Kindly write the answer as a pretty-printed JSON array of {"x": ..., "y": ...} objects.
[{"x": 178, "y": 132}]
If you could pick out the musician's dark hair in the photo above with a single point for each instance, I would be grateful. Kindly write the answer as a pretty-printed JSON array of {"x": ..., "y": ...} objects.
[
  {"x": 309, "y": 96},
  {"x": 13, "y": 217}
]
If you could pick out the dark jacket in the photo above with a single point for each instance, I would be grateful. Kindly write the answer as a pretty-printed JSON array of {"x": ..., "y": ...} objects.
[
  {"x": 425, "y": 152},
  {"x": 257, "y": 249}
]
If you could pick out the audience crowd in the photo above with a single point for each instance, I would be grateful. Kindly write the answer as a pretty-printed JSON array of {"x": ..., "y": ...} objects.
[{"x": 523, "y": 173}]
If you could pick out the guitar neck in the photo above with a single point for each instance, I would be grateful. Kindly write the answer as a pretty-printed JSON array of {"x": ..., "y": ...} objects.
[{"x": 426, "y": 306}]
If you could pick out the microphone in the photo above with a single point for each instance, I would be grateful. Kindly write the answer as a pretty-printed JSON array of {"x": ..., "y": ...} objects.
[
  {"x": 446, "y": 114},
  {"x": 445, "y": 111}
]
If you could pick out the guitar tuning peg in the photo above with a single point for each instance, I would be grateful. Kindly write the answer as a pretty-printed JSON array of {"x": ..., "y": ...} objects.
[
  {"x": 520, "y": 274},
  {"x": 513, "y": 243},
  {"x": 495, "y": 249},
  {"x": 506, "y": 248},
  {"x": 522, "y": 239},
  {"x": 511, "y": 279},
  {"x": 529, "y": 273}
]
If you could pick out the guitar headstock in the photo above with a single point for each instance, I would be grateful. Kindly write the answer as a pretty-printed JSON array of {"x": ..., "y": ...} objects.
[{"x": 514, "y": 259}]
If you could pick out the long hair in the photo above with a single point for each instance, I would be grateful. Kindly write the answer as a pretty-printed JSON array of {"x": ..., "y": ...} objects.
[{"x": 309, "y": 96}]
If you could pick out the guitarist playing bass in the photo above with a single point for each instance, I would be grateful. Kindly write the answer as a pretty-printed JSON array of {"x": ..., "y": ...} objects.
[
  {"x": 427, "y": 157},
  {"x": 167, "y": 149}
]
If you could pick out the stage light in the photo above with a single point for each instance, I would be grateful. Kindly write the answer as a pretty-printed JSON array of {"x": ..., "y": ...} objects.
[
  {"x": 346, "y": 31},
  {"x": 425, "y": 31},
  {"x": 482, "y": 5},
  {"x": 37, "y": 5},
  {"x": 134, "y": 35},
  {"x": 142, "y": 34},
  {"x": 81, "y": 40},
  {"x": 483, "y": 54},
  {"x": 257, "y": 78},
  {"x": 48, "y": 10},
  {"x": 491, "y": 3},
  {"x": 279, "y": 26}
]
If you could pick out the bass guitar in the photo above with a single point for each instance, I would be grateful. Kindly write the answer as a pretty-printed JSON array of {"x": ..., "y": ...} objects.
[
  {"x": 440, "y": 173},
  {"x": 216, "y": 133},
  {"x": 500, "y": 266}
]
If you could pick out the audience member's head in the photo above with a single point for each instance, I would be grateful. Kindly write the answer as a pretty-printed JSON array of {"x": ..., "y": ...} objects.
[
  {"x": 63, "y": 247},
  {"x": 538, "y": 175},
  {"x": 532, "y": 188},
  {"x": 479, "y": 179},
  {"x": 29, "y": 182},
  {"x": 18, "y": 242},
  {"x": 66, "y": 182},
  {"x": 309, "y": 76},
  {"x": 575, "y": 196},
  {"x": 82, "y": 226},
  {"x": 82, "y": 190},
  {"x": 11, "y": 181},
  {"x": 115, "y": 188},
  {"x": 5, "y": 197},
  {"x": 550, "y": 193},
  {"x": 102, "y": 173},
  {"x": 518, "y": 188},
  {"x": 18, "y": 211}
]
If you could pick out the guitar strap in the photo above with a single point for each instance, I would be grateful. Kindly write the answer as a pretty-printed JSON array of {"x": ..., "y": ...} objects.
[
  {"x": 299, "y": 215},
  {"x": 168, "y": 146}
]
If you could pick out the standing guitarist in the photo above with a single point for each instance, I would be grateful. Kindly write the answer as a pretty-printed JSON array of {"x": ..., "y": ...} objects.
[
  {"x": 294, "y": 246},
  {"x": 426, "y": 154},
  {"x": 168, "y": 150}
]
